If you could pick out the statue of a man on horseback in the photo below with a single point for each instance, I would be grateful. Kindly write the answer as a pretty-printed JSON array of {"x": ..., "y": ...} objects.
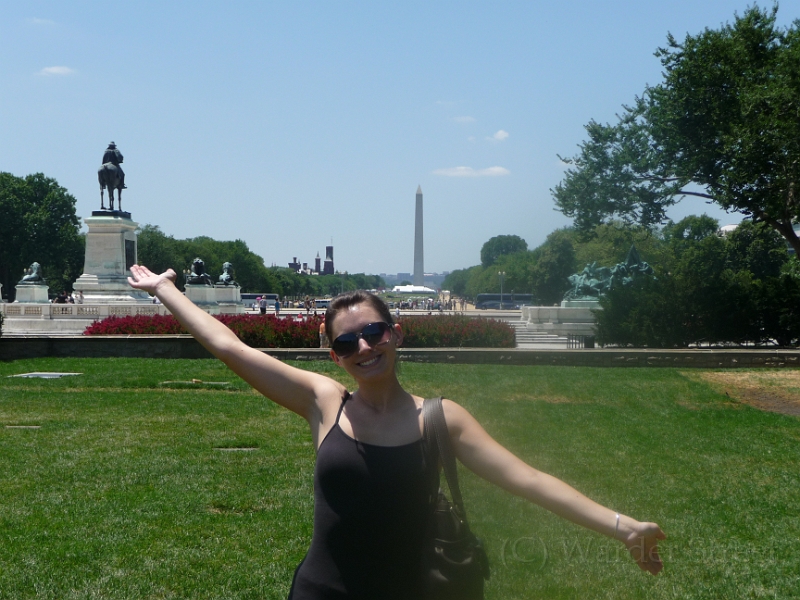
[{"x": 111, "y": 176}]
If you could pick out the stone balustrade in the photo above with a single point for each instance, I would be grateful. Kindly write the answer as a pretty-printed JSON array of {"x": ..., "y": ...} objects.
[{"x": 91, "y": 312}]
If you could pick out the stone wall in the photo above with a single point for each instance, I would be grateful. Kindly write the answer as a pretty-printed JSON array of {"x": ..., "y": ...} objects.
[{"x": 181, "y": 346}]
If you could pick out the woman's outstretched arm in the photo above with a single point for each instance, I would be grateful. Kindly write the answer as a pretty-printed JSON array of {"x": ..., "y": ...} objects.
[
  {"x": 480, "y": 453},
  {"x": 298, "y": 390}
]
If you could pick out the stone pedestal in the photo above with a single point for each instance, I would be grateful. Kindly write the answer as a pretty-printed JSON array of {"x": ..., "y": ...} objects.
[
  {"x": 580, "y": 304},
  {"x": 204, "y": 296},
  {"x": 35, "y": 294},
  {"x": 229, "y": 298},
  {"x": 110, "y": 252},
  {"x": 573, "y": 317}
]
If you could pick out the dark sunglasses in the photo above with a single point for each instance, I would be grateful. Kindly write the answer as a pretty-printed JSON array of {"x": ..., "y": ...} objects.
[{"x": 373, "y": 333}]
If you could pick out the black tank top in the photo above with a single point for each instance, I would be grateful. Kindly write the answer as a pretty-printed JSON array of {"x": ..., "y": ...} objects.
[{"x": 372, "y": 509}]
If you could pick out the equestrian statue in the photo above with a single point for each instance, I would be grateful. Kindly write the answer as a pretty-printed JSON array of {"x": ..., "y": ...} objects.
[{"x": 111, "y": 176}]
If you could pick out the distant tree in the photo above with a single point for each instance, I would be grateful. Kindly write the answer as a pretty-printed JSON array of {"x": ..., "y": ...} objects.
[
  {"x": 555, "y": 262},
  {"x": 38, "y": 224},
  {"x": 757, "y": 248},
  {"x": 722, "y": 126},
  {"x": 456, "y": 281},
  {"x": 499, "y": 246},
  {"x": 690, "y": 229},
  {"x": 161, "y": 252},
  {"x": 712, "y": 289}
]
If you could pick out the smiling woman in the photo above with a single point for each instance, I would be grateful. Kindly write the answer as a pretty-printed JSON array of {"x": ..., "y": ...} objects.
[{"x": 375, "y": 489}]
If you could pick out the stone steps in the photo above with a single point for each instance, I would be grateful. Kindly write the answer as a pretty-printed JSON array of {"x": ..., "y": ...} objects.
[{"x": 529, "y": 338}]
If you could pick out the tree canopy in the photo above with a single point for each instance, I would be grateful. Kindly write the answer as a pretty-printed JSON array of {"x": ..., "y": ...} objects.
[
  {"x": 499, "y": 246},
  {"x": 38, "y": 224},
  {"x": 737, "y": 288},
  {"x": 160, "y": 251},
  {"x": 723, "y": 125}
]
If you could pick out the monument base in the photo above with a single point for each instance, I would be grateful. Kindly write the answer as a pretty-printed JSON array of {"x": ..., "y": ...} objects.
[
  {"x": 229, "y": 298},
  {"x": 111, "y": 213},
  {"x": 108, "y": 289},
  {"x": 580, "y": 304},
  {"x": 111, "y": 248},
  {"x": 204, "y": 296},
  {"x": 32, "y": 294},
  {"x": 562, "y": 320}
]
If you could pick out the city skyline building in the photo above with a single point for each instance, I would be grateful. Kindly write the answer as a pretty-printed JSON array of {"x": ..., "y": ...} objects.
[{"x": 419, "y": 261}]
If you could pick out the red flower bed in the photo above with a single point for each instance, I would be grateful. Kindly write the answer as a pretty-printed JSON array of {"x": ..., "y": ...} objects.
[
  {"x": 140, "y": 324},
  {"x": 257, "y": 331},
  {"x": 254, "y": 330}
]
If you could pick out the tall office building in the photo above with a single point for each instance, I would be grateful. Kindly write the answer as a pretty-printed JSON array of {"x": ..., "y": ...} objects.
[
  {"x": 419, "y": 262},
  {"x": 327, "y": 266}
]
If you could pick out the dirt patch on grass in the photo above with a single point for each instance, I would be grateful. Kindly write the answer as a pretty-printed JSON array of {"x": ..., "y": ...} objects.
[
  {"x": 549, "y": 398},
  {"x": 774, "y": 391}
]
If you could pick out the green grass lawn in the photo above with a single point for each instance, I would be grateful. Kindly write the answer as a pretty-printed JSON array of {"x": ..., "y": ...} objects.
[{"x": 127, "y": 491}]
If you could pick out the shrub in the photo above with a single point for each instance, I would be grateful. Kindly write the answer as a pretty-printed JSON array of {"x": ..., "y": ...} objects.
[{"x": 456, "y": 331}]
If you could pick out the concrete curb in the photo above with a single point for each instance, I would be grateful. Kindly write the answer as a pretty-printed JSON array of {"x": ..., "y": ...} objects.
[{"x": 184, "y": 346}]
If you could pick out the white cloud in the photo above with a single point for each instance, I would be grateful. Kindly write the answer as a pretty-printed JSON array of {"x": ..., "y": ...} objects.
[
  {"x": 470, "y": 172},
  {"x": 48, "y": 71},
  {"x": 464, "y": 119},
  {"x": 41, "y": 22},
  {"x": 500, "y": 136}
]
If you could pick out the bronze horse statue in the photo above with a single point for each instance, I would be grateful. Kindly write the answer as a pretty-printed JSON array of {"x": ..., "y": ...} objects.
[{"x": 110, "y": 178}]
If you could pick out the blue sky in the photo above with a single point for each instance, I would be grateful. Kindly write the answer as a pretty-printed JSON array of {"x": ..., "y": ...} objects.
[{"x": 291, "y": 124}]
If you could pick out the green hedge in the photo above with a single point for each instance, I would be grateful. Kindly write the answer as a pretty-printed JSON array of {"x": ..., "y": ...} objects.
[{"x": 456, "y": 331}]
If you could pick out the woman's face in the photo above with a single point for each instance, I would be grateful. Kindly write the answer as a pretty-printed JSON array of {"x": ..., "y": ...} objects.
[{"x": 367, "y": 361}]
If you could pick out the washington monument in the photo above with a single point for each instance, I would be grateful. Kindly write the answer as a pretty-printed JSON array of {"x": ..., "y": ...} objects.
[{"x": 419, "y": 268}]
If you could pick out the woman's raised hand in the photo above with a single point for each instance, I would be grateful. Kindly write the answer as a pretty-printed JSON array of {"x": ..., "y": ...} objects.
[{"x": 144, "y": 279}]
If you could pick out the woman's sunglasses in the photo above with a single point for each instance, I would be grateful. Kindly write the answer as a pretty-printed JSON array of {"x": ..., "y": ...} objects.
[{"x": 373, "y": 333}]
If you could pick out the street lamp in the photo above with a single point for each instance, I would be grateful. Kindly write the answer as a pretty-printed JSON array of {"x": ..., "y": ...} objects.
[{"x": 501, "y": 274}]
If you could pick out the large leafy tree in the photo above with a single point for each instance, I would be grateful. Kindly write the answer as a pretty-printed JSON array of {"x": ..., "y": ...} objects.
[
  {"x": 555, "y": 262},
  {"x": 499, "y": 246},
  {"x": 38, "y": 224},
  {"x": 723, "y": 125}
]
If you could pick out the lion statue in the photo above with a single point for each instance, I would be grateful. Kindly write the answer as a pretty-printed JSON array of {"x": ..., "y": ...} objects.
[
  {"x": 198, "y": 275},
  {"x": 227, "y": 275},
  {"x": 33, "y": 275}
]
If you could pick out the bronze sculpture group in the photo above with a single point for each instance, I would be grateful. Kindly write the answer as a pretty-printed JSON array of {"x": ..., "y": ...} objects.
[{"x": 594, "y": 281}]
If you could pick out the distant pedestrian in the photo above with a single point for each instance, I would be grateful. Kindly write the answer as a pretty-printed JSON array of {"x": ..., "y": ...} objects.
[
  {"x": 323, "y": 338},
  {"x": 262, "y": 304},
  {"x": 277, "y": 307},
  {"x": 79, "y": 297}
]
